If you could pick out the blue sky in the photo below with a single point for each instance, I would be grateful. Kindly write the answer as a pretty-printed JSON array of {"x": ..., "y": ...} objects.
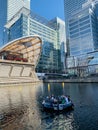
[{"x": 48, "y": 8}]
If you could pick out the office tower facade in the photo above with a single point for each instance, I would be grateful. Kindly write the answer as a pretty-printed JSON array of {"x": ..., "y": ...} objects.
[
  {"x": 8, "y": 8},
  {"x": 72, "y": 6},
  {"x": 81, "y": 21},
  {"x": 29, "y": 23},
  {"x": 82, "y": 36},
  {"x": 59, "y": 25}
]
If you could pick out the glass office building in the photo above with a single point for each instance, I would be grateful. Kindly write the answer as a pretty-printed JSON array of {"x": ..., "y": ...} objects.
[
  {"x": 8, "y": 8},
  {"x": 71, "y": 6},
  {"x": 83, "y": 34},
  {"x": 59, "y": 25},
  {"x": 81, "y": 17},
  {"x": 29, "y": 23},
  {"x": 82, "y": 23}
]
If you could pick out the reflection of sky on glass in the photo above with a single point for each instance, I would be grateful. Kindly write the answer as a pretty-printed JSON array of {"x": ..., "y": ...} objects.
[{"x": 93, "y": 61}]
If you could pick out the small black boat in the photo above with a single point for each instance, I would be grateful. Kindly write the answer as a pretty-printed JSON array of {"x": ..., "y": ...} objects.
[{"x": 57, "y": 104}]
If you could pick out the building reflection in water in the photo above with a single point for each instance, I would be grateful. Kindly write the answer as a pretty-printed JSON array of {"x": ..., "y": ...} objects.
[{"x": 20, "y": 107}]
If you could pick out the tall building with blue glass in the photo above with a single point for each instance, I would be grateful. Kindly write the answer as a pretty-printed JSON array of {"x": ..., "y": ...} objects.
[
  {"x": 8, "y": 8},
  {"x": 52, "y": 32},
  {"x": 81, "y": 24},
  {"x": 81, "y": 17},
  {"x": 18, "y": 21}
]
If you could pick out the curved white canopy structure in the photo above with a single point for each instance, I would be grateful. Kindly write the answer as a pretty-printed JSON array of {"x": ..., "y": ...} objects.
[{"x": 29, "y": 47}]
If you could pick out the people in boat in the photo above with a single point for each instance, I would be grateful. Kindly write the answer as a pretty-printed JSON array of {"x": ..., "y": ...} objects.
[
  {"x": 60, "y": 99},
  {"x": 66, "y": 98},
  {"x": 52, "y": 97},
  {"x": 63, "y": 100},
  {"x": 47, "y": 98}
]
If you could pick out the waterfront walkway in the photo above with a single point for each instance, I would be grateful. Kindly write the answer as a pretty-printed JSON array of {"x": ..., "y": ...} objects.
[{"x": 73, "y": 80}]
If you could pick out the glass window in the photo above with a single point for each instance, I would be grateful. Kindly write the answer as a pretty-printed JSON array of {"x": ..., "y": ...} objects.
[
  {"x": 75, "y": 35},
  {"x": 85, "y": 27},
  {"x": 86, "y": 31},
  {"x": 74, "y": 23},
  {"x": 75, "y": 31},
  {"x": 74, "y": 27},
  {"x": 85, "y": 22},
  {"x": 84, "y": 18}
]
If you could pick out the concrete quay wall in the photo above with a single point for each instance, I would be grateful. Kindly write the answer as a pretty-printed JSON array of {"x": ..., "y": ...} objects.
[
  {"x": 78, "y": 80},
  {"x": 15, "y": 72}
]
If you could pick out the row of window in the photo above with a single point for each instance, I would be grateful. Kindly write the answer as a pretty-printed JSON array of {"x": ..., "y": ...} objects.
[
  {"x": 47, "y": 34},
  {"x": 79, "y": 25},
  {"x": 75, "y": 53},
  {"x": 41, "y": 27},
  {"x": 42, "y": 34},
  {"x": 80, "y": 29}
]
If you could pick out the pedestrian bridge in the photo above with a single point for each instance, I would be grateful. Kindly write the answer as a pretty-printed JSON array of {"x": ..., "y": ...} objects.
[{"x": 19, "y": 58}]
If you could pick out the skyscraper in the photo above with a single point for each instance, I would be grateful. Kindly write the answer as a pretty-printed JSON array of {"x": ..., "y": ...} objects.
[
  {"x": 59, "y": 25},
  {"x": 19, "y": 21},
  {"x": 8, "y": 8},
  {"x": 81, "y": 21},
  {"x": 52, "y": 32},
  {"x": 72, "y": 6}
]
